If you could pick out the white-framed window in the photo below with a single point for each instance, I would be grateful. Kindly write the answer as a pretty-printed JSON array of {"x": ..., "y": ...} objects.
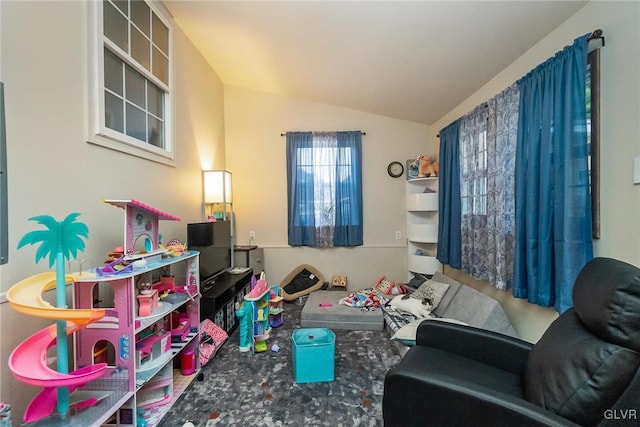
[{"x": 131, "y": 78}]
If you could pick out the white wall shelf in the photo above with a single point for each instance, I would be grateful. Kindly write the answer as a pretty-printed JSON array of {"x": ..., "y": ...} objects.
[{"x": 422, "y": 226}]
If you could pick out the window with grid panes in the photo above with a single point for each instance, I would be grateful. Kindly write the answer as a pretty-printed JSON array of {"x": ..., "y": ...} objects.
[
  {"x": 473, "y": 193},
  {"x": 133, "y": 79}
]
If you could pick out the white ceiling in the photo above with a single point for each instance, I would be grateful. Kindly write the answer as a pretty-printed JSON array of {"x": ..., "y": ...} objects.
[{"x": 412, "y": 60}]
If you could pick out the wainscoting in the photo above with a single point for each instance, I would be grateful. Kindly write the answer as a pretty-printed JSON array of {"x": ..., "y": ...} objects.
[{"x": 361, "y": 265}]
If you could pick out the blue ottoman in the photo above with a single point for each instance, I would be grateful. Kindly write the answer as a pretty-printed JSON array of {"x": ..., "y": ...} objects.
[{"x": 313, "y": 355}]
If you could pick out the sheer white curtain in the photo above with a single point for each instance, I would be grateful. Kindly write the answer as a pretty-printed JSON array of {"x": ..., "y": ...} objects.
[
  {"x": 488, "y": 137},
  {"x": 324, "y": 178}
]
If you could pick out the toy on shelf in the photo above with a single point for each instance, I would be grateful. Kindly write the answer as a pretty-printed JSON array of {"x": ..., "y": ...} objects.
[
  {"x": 276, "y": 307},
  {"x": 427, "y": 167},
  {"x": 175, "y": 248},
  {"x": 147, "y": 302},
  {"x": 141, "y": 229}
]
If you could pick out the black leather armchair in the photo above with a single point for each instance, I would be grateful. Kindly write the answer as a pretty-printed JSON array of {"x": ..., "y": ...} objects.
[{"x": 585, "y": 370}]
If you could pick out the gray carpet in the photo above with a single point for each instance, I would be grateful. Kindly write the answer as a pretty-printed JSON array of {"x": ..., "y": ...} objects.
[{"x": 244, "y": 389}]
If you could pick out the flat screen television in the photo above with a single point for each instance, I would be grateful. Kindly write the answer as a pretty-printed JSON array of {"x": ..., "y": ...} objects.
[{"x": 213, "y": 241}]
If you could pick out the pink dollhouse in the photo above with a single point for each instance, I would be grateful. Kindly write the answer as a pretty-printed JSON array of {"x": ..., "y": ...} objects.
[{"x": 141, "y": 227}]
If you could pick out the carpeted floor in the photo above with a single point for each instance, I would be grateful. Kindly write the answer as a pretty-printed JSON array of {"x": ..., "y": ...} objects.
[{"x": 244, "y": 389}]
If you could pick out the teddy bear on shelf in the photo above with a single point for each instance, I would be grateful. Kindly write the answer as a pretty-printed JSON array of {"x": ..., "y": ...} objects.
[{"x": 427, "y": 167}]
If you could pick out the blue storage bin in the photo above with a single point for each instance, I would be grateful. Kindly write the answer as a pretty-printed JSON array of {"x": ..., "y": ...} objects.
[{"x": 313, "y": 355}]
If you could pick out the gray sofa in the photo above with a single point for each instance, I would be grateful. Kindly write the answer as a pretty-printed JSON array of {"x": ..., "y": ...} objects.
[
  {"x": 460, "y": 303},
  {"x": 468, "y": 305}
]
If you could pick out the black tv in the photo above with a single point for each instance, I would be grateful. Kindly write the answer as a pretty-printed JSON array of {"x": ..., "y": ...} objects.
[{"x": 213, "y": 241}]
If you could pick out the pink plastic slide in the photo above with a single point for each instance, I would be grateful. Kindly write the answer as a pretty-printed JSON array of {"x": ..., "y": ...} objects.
[{"x": 28, "y": 361}]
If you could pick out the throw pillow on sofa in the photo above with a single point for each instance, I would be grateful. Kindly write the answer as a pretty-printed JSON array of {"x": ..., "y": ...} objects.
[{"x": 432, "y": 290}]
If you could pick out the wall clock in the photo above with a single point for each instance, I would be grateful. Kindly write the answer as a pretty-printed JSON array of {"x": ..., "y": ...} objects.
[{"x": 395, "y": 169}]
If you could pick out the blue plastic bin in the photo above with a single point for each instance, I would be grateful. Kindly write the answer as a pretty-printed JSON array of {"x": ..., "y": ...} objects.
[{"x": 313, "y": 355}]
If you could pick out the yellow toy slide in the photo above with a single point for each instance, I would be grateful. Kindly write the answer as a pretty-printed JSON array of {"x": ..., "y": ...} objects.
[
  {"x": 28, "y": 361},
  {"x": 26, "y": 297}
]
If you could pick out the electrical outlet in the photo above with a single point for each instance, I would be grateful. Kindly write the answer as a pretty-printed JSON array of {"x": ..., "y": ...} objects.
[
  {"x": 252, "y": 235},
  {"x": 398, "y": 235}
]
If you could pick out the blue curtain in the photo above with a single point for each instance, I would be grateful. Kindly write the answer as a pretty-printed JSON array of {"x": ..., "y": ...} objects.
[
  {"x": 553, "y": 205},
  {"x": 449, "y": 212},
  {"x": 300, "y": 201},
  {"x": 348, "y": 204},
  {"x": 330, "y": 215}
]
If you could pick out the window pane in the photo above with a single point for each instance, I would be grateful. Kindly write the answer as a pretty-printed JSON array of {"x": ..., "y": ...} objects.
[
  {"x": 156, "y": 132},
  {"x": 113, "y": 112},
  {"x": 136, "y": 123},
  {"x": 123, "y": 5},
  {"x": 112, "y": 72},
  {"x": 160, "y": 66},
  {"x": 115, "y": 26},
  {"x": 135, "y": 87},
  {"x": 140, "y": 16},
  {"x": 140, "y": 48},
  {"x": 160, "y": 35},
  {"x": 154, "y": 100}
]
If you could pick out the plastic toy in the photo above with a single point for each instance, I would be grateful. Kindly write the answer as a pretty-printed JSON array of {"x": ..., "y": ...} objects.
[
  {"x": 62, "y": 393},
  {"x": 147, "y": 302},
  {"x": 339, "y": 281},
  {"x": 141, "y": 222},
  {"x": 383, "y": 285},
  {"x": 114, "y": 267},
  {"x": 260, "y": 346},
  {"x": 243, "y": 312},
  {"x": 276, "y": 307},
  {"x": 258, "y": 291},
  {"x": 256, "y": 304},
  {"x": 28, "y": 361}
]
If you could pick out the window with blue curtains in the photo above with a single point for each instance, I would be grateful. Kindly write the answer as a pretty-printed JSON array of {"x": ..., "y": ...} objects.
[
  {"x": 553, "y": 204},
  {"x": 324, "y": 188},
  {"x": 550, "y": 188}
]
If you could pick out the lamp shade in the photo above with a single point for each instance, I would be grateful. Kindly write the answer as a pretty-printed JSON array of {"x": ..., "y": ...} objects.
[{"x": 217, "y": 186}]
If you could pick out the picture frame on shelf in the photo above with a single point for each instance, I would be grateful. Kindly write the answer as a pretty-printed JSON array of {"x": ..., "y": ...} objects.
[{"x": 412, "y": 168}]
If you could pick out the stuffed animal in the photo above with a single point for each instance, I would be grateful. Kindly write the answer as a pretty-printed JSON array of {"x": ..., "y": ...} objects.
[{"x": 427, "y": 167}]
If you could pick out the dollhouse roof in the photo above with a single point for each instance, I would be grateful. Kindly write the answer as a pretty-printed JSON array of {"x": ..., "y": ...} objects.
[{"x": 135, "y": 203}]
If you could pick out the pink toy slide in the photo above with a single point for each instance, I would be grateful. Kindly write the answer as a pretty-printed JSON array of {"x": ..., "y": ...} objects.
[{"x": 28, "y": 361}]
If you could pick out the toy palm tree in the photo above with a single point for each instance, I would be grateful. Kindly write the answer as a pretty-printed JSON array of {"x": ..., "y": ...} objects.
[{"x": 62, "y": 240}]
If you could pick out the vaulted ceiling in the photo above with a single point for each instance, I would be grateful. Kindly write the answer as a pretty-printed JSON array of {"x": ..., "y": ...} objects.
[{"x": 411, "y": 60}]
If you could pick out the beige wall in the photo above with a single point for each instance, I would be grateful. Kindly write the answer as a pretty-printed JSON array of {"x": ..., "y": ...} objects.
[
  {"x": 620, "y": 136},
  {"x": 53, "y": 170},
  {"x": 256, "y": 156}
]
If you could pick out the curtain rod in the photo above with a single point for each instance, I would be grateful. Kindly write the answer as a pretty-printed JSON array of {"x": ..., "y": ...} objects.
[
  {"x": 284, "y": 134},
  {"x": 595, "y": 35}
]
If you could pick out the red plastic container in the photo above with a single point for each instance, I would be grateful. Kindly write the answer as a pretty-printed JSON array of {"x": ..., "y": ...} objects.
[{"x": 188, "y": 362}]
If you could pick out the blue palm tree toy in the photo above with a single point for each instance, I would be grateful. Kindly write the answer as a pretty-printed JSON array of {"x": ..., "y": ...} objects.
[{"x": 61, "y": 240}]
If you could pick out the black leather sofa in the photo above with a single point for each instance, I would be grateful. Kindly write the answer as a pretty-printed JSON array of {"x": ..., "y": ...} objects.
[{"x": 583, "y": 371}]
